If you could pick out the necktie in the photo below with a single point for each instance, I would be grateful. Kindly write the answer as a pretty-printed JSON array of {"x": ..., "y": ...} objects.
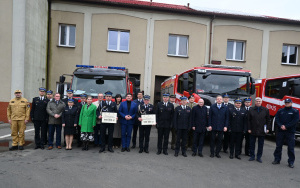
[
  {"x": 238, "y": 109},
  {"x": 166, "y": 104},
  {"x": 219, "y": 106},
  {"x": 70, "y": 107}
]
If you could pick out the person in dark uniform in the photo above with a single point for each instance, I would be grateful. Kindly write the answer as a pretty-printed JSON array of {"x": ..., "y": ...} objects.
[
  {"x": 137, "y": 123},
  {"x": 39, "y": 116},
  {"x": 144, "y": 130},
  {"x": 237, "y": 126},
  {"x": 50, "y": 95},
  {"x": 78, "y": 128},
  {"x": 217, "y": 124},
  {"x": 173, "y": 131},
  {"x": 108, "y": 106},
  {"x": 226, "y": 139},
  {"x": 182, "y": 124},
  {"x": 199, "y": 125},
  {"x": 70, "y": 96},
  {"x": 258, "y": 125},
  {"x": 69, "y": 122},
  {"x": 247, "y": 107},
  {"x": 190, "y": 139},
  {"x": 164, "y": 117},
  {"x": 286, "y": 120}
]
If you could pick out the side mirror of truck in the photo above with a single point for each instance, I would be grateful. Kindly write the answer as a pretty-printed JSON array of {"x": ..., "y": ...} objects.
[
  {"x": 137, "y": 83},
  {"x": 252, "y": 88},
  {"x": 185, "y": 81},
  {"x": 61, "y": 89},
  {"x": 62, "y": 79}
]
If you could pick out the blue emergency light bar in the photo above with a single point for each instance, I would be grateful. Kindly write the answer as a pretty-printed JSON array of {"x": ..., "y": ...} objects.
[{"x": 105, "y": 67}]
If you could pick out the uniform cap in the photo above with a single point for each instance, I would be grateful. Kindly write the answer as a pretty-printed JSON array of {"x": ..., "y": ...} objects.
[
  {"x": 49, "y": 92},
  {"x": 108, "y": 93},
  {"x": 42, "y": 89},
  {"x": 147, "y": 97},
  {"x": 237, "y": 100},
  {"x": 226, "y": 96},
  {"x": 247, "y": 99},
  {"x": 172, "y": 96},
  {"x": 287, "y": 101},
  {"x": 69, "y": 91},
  {"x": 166, "y": 94},
  {"x": 83, "y": 95},
  {"x": 183, "y": 98},
  {"x": 70, "y": 100},
  {"x": 18, "y": 91}
]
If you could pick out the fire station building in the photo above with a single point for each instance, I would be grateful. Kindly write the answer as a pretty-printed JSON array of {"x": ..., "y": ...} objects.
[{"x": 153, "y": 40}]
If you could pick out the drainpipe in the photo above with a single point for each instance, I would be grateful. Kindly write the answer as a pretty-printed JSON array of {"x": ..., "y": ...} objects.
[
  {"x": 210, "y": 38},
  {"x": 48, "y": 44}
]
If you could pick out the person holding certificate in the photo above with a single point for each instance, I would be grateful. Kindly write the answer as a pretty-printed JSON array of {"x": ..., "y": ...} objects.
[
  {"x": 107, "y": 106},
  {"x": 144, "y": 130}
]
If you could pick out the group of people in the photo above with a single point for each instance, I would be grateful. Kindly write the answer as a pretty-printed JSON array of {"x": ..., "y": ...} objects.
[{"x": 188, "y": 122}]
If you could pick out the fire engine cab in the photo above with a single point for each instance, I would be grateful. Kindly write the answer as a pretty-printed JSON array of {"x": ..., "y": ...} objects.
[
  {"x": 274, "y": 91},
  {"x": 208, "y": 81}
]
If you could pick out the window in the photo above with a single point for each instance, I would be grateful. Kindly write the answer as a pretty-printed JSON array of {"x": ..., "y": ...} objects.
[
  {"x": 289, "y": 54},
  {"x": 235, "y": 50},
  {"x": 274, "y": 89},
  {"x": 67, "y": 35},
  {"x": 178, "y": 45},
  {"x": 118, "y": 41}
]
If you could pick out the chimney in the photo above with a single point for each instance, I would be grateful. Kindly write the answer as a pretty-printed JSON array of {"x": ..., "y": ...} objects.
[{"x": 188, "y": 5}]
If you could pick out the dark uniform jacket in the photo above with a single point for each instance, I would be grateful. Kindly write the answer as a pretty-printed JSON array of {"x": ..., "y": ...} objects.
[
  {"x": 138, "y": 103},
  {"x": 182, "y": 117},
  {"x": 289, "y": 117},
  {"x": 199, "y": 118},
  {"x": 164, "y": 115},
  {"x": 218, "y": 118},
  {"x": 237, "y": 120},
  {"x": 112, "y": 107},
  {"x": 257, "y": 120},
  {"x": 145, "y": 109},
  {"x": 70, "y": 116},
  {"x": 65, "y": 100},
  {"x": 229, "y": 105},
  {"x": 38, "y": 111}
]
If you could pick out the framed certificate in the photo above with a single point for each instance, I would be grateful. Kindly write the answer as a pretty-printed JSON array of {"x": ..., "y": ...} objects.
[
  {"x": 109, "y": 117},
  {"x": 149, "y": 119}
]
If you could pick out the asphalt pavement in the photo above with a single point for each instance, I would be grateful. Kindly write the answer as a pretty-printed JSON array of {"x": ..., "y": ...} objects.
[{"x": 76, "y": 168}]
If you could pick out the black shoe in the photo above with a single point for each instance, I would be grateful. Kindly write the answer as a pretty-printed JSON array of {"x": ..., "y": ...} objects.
[
  {"x": 21, "y": 148},
  {"x": 231, "y": 156},
  {"x": 165, "y": 153},
  {"x": 123, "y": 149},
  {"x": 128, "y": 150},
  {"x": 101, "y": 150},
  {"x": 291, "y": 165},
  {"x": 251, "y": 159},
  {"x": 225, "y": 151},
  {"x": 36, "y": 147},
  {"x": 184, "y": 154},
  {"x": 146, "y": 150},
  {"x": 212, "y": 155},
  {"x": 238, "y": 157},
  {"x": 158, "y": 152},
  {"x": 176, "y": 154},
  {"x": 218, "y": 156},
  {"x": 194, "y": 154},
  {"x": 110, "y": 150},
  {"x": 141, "y": 151},
  {"x": 200, "y": 155},
  {"x": 13, "y": 148},
  {"x": 276, "y": 162},
  {"x": 259, "y": 160},
  {"x": 42, "y": 147},
  {"x": 133, "y": 146}
]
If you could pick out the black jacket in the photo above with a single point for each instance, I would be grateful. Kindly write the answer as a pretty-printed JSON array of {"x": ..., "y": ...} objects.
[
  {"x": 289, "y": 117},
  {"x": 143, "y": 109},
  {"x": 182, "y": 117},
  {"x": 164, "y": 115},
  {"x": 199, "y": 118},
  {"x": 218, "y": 118},
  {"x": 70, "y": 116},
  {"x": 257, "y": 120},
  {"x": 237, "y": 120},
  {"x": 38, "y": 111}
]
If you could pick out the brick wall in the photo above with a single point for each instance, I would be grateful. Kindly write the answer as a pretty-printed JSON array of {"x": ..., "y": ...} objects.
[{"x": 3, "y": 109}]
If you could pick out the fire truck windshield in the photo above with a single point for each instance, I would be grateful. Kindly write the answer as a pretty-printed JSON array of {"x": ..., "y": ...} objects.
[
  {"x": 93, "y": 86},
  {"x": 230, "y": 84}
]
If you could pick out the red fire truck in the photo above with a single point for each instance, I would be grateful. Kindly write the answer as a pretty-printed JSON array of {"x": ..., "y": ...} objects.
[
  {"x": 208, "y": 81},
  {"x": 91, "y": 80},
  {"x": 274, "y": 91}
]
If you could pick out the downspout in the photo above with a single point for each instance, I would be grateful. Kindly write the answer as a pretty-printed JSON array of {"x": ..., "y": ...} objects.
[
  {"x": 48, "y": 44},
  {"x": 210, "y": 38}
]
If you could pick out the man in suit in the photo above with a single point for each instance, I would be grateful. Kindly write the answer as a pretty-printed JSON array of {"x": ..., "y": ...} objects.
[
  {"x": 217, "y": 124},
  {"x": 97, "y": 135},
  {"x": 70, "y": 96},
  {"x": 39, "y": 116},
  {"x": 173, "y": 131},
  {"x": 164, "y": 117},
  {"x": 137, "y": 123},
  {"x": 127, "y": 112},
  {"x": 108, "y": 106},
  {"x": 226, "y": 139}
]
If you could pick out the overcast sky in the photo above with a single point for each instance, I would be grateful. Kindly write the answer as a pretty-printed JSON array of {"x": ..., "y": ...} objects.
[{"x": 278, "y": 8}]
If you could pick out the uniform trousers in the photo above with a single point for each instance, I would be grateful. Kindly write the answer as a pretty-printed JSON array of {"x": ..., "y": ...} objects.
[
  {"x": 18, "y": 132},
  {"x": 181, "y": 140},
  {"x": 110, "y": 128},
  {"x": 163, "y": 138},
  {"x": 290, "y": 140},
  {"x": 144, "y": 136},
  {"x": 40, "y": 129}
]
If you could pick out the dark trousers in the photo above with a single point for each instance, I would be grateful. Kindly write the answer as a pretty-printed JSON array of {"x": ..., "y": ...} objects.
[
  {"x": 52, "y": 129},
  {"x": 173, "y": 140},
  {"x": 117, "y": 142},
  {"x": 163, "y": 138},
  {"x": 236, "y": 139},
  {"x": 247, "y": 143},
  {"x": 290, "y": 139},
  {"x": 181, "y": 140},
  {"x": 40, "y": 129},
  {"x": 126, "y": 134},
  {"x": 144, "y": 134},
  {"x": 190, "y": 138},
  {"x": 46, "y": 133},
  {"x": 198, "y": 142},
  {"x": 134, "y": 133},
  {"x": 78, "y": 134},
  {"x": 226, "y": 141},
  {"x": 216, "y": 141},
  {"x": 260, "y": 146},
  {"x": 110, "y": 128},
  {"x": 97, "y": 134}
]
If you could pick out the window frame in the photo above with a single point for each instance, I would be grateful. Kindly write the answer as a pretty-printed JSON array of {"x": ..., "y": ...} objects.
[
  {"x": 177, "y": 45},
  {"x": 234, "y": 50},
  {"x": 67, "y": 36},
  {"x": 288, "y": 55},
  {"x": 118, "y": 41}
]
